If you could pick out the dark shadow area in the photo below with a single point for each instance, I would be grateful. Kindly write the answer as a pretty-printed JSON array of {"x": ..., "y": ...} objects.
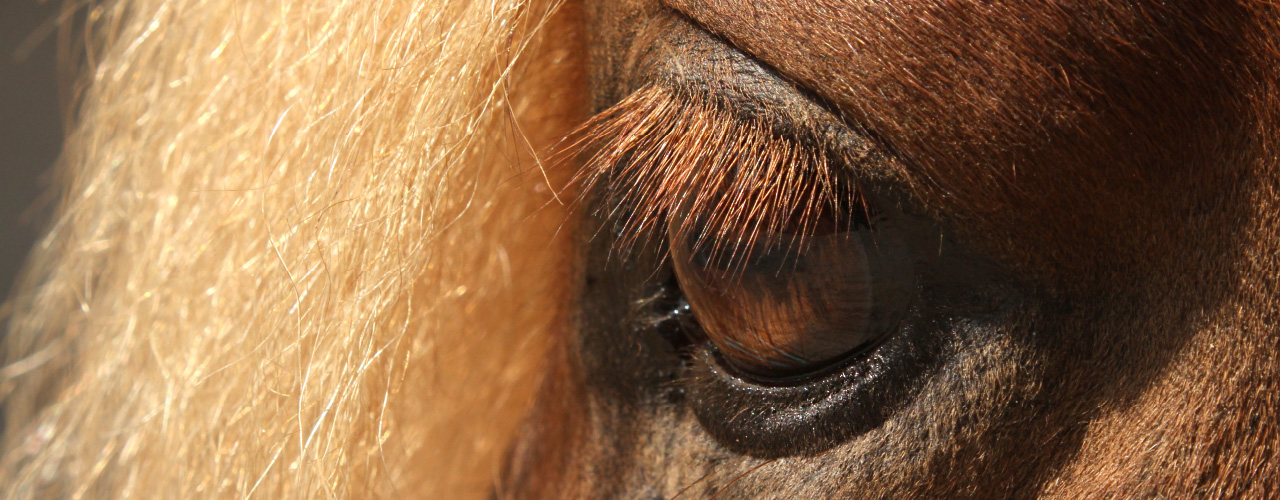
[{"x": 30, "y": 126}]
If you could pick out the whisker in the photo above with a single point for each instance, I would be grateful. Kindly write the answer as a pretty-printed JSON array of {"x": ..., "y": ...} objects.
[
  {"x": 739, "y": 478},
  {"x": 691, "y": 485}
]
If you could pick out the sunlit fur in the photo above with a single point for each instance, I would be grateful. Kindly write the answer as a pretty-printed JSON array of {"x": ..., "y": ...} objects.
[{"x": 299, "y": 253}]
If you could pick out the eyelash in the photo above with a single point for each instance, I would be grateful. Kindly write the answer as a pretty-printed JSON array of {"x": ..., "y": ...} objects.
[{"x": 736, "y": 184}]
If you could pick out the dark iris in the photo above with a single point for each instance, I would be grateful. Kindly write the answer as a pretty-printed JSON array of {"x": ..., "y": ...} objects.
[{"x": 794, "y": 303}]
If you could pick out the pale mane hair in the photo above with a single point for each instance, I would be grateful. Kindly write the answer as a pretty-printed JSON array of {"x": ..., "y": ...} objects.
[{"x": 302, "y": 251}]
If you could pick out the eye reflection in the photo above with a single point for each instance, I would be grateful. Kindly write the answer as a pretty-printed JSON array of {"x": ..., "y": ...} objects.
[{"x": 793, "y": 305}]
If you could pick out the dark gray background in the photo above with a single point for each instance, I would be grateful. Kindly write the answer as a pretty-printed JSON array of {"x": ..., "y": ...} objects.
[{"x": 30, "y": 126}]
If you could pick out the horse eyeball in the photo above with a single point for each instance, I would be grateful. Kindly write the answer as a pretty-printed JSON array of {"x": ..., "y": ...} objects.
[{"x": 792, "y": 306}]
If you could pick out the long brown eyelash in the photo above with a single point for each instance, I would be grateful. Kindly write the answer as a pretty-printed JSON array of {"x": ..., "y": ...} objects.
[{"x": 737, "y": 184}]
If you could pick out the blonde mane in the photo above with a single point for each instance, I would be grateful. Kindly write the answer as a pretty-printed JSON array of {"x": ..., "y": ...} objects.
[{"x": 299, "y": 252}]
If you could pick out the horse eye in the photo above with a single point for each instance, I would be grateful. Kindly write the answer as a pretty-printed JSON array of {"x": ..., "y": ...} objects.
[{"x": 794, "y": 305}]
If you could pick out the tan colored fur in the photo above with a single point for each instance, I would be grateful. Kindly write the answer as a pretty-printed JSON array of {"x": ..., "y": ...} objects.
[{"x": 294, "y": 237}]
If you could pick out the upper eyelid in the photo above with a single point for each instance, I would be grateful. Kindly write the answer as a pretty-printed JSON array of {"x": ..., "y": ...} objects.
[{"x": 687, "y": 60}]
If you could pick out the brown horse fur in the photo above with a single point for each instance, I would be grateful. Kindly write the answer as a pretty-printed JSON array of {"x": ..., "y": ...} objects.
[
  {"x": 1117, "y": 158},
  {"x": 296, "y": 256}
]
